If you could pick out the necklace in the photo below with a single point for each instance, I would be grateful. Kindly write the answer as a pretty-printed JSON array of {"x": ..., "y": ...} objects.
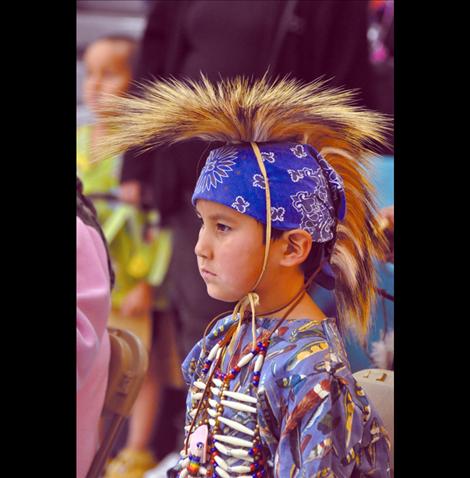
[{"x": 227, "y": 455}]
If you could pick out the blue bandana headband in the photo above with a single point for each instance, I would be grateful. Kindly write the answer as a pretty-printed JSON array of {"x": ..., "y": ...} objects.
[{"x": 306, "y": 192}]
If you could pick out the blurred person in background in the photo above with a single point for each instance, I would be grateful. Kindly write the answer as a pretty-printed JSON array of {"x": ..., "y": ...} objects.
[
  {"x": 94, "y": 283},
  {"x": 140, "y": 254}
]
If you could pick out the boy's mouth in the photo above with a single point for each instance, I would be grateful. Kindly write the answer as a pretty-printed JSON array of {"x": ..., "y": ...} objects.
[{"x": 206, "y": 273}]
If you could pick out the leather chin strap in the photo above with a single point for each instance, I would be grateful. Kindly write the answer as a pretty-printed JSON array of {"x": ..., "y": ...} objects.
[{"x": 252, "y": 298}]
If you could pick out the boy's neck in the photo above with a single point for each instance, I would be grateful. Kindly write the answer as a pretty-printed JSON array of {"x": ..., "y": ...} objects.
[{"x": 280, "y": 295}]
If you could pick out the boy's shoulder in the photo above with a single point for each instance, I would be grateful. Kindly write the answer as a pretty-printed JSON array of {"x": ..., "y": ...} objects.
[{"x": 306, "y": 347}]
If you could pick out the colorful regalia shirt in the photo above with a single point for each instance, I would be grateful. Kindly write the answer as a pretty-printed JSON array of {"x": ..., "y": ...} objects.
[{"x": 311, "y": 416}]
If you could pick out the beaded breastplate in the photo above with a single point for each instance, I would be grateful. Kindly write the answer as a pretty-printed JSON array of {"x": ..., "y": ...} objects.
[{"x": 220, "y": 446}]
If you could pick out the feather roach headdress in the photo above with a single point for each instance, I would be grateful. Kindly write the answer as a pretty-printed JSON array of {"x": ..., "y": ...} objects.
[{"x": 243, "y": 111}]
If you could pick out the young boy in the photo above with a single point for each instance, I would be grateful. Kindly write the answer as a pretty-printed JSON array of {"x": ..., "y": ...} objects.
[{"x": 273, "y": 395}]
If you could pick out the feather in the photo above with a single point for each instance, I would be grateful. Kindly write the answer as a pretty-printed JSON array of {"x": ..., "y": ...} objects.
[
  {"x": 241, "y": 110},
  {"x": 349, "y": 408},
  {"x": 305, "y": 352},
  {"x": 245, "y": 110},
  {"x": 295, "y": 447},
  {"x": 310, "y": 401}
]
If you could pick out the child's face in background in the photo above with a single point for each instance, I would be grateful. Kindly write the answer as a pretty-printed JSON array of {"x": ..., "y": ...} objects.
[
  {"x": 108, "y": 70},
  {"x": 229, "y": 251}
]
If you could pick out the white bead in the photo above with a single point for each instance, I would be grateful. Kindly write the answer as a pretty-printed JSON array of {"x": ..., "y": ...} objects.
[
  {"x": 240, "y": 469},
  {"x": 196, "y": 396},
  {"x": 185, "y": 462},
  {"x": 211, "y": 422},
  {"x": 213, "y": 403},
  {"x": 239, "y": 453},
  {"x": 237, "y": 426},
  {"x": 211, "y": 412},
  {"x": 215, "y": 391},
  {"x": 192, "y": 413},
  {"x": 202, "y": 471},
  {"x": 199, "y": 384},
  {"x": 244, "y": 360},
  {"x": 233, "y": 440},
  {"x": 184, "y": 473},
  {"x": 213, "y": 352},
  {"x": 221, "y": 462},
  {"x": 221, "y": 472},
  {"x": 187, "y": 427},
  {"x": 235, "y": 452},
  {"x": 222, "y": 448},
  {"x": 241, "y": 396},
  {"x": 259, "y": 363},
  {"x": 217, "y": 382},
  {"x": 238, "y": 406}
]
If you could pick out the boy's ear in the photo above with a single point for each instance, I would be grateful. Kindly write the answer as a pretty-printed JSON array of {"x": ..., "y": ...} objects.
[{"x": 298, "y": 244}]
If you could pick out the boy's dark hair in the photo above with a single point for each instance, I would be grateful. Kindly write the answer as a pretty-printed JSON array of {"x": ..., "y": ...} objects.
[{"x": 315, "y": 256}]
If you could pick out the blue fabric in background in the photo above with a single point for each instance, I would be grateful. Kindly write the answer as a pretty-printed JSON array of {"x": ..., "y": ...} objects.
[{"x": 383, "y": 179}]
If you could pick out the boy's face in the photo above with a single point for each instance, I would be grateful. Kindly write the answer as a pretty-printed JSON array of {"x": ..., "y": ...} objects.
[
  {"x": 229, "y": 251},
  {"x": 107, "y": 71}
]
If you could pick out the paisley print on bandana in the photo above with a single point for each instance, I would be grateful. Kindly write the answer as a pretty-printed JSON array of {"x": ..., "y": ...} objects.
[
  {"x": 258, "y": 181},
  {"x": 316, "y": 217},
  {"x": 277, "y": 214},
  {"x": 297, "y": 174},
  {"x": 269, "y": 157},
  {"x": 299, "y": 151},
  {"x": 240, "y": 204}
]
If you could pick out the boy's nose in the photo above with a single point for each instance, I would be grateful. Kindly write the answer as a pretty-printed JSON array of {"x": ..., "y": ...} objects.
[{"x": 202, "y": 248}]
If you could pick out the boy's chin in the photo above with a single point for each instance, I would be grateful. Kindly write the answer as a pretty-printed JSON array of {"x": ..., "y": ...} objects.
[{"x": 223, "y": 296}]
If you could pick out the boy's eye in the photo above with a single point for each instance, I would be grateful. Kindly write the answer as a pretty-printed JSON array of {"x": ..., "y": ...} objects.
[{"x": 222, "y": 227}]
